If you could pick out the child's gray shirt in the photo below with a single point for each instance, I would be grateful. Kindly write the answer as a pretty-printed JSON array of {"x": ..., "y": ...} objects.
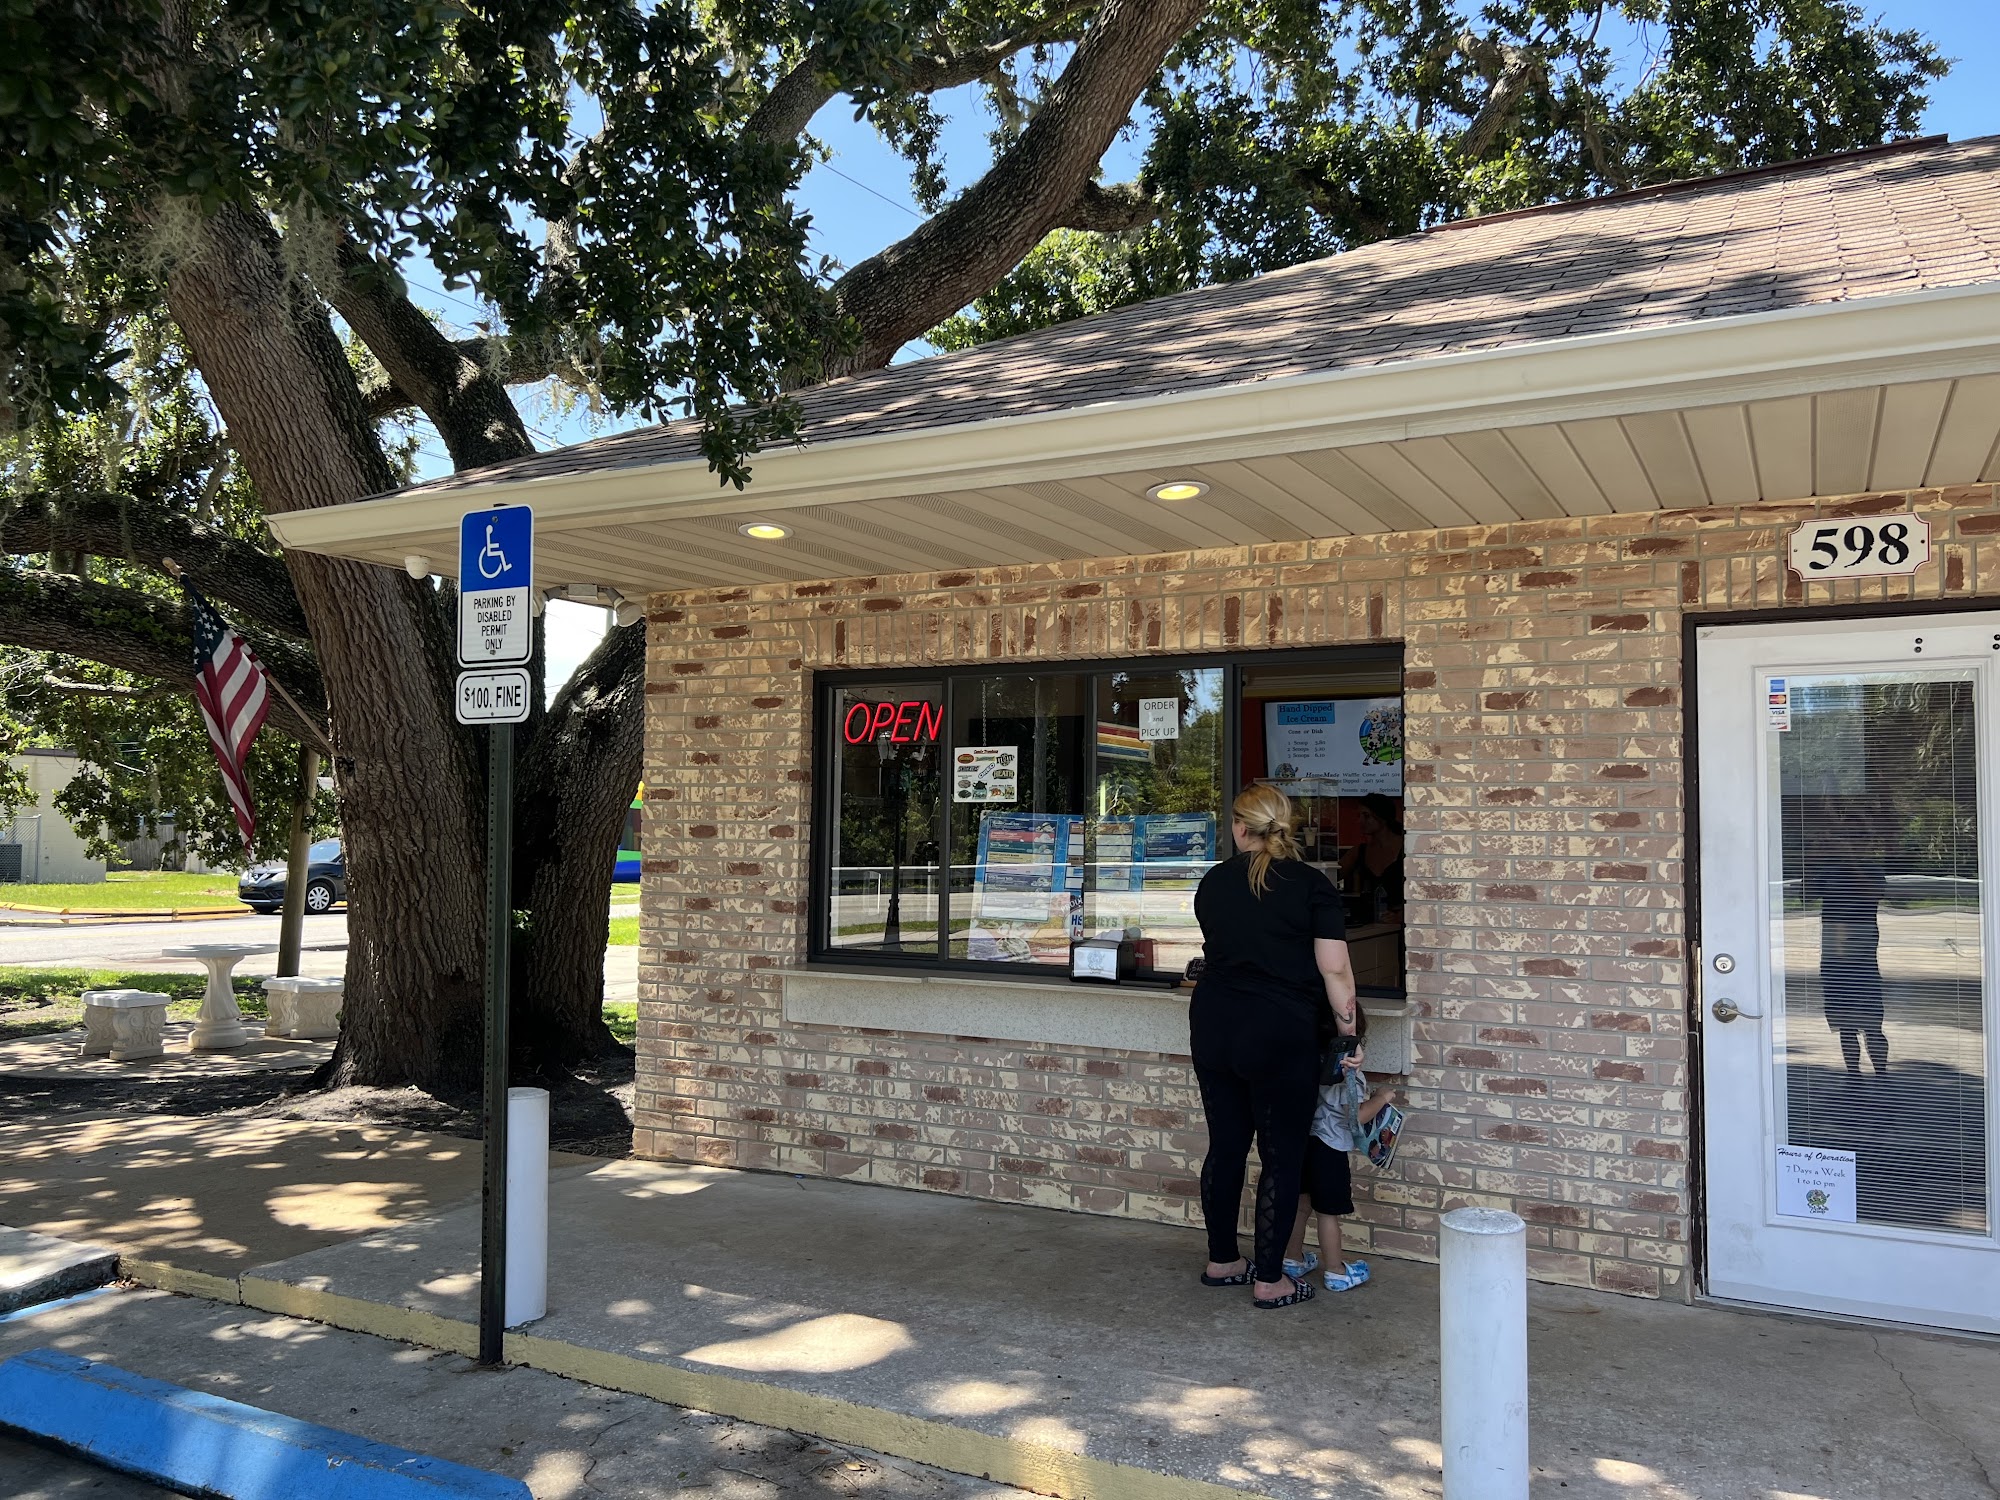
[{"x": 1337, "y": 1121}]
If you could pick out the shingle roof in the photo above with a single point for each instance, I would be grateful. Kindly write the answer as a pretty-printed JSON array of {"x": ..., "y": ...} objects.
[{"x": 1911, "y": 217}]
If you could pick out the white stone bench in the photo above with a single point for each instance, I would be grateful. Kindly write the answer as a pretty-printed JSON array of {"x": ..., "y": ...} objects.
[
  {"x": 128, "y": 1024},
  {"x": 303, "y": 1009}
]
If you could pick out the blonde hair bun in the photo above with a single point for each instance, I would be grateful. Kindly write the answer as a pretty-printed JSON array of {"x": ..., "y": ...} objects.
[{"x": 1266, "y": 812}]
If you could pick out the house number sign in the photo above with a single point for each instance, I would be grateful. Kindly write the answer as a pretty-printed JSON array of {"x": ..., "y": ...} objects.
[{"x": 1860, "y": 547}]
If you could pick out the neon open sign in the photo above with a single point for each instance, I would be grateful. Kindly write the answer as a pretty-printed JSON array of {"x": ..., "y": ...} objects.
[{"x": 903, "y": 723}]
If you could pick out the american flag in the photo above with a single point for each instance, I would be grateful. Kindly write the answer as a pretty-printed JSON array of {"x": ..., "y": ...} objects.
[{"x": 229, "y": 685}]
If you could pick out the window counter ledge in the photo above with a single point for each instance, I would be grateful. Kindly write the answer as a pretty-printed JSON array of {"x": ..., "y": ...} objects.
[{"x": 1047, "y": 1012}]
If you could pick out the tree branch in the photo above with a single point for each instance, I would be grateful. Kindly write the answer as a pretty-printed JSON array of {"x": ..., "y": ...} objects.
[
  {"x": 969, "y": 245},
  {"x": 504, "y": 360},
  {"x": 467, "y": 404},
  {"x": 139, "y": 633},
  {"x": 1110, "y": 210},
  {"x": 1512, "y": 70},
  {"x": 114, "y": 526},
  {"x": 105, "y": 690},
  {"x": 798, "y": 96}
]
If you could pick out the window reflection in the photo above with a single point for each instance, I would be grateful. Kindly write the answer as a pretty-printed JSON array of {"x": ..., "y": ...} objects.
[
  {"x": 1155, "y": 813},
  {"x": 1877, "y": 945},
  {"x": 884, "y": 878}
]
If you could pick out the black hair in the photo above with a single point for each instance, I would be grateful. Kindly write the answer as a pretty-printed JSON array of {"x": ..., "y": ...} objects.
[{"x": 1385, "y": 809}]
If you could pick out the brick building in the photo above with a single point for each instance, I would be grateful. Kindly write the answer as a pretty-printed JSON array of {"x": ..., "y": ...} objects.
[{"x": 1643, "y": 553}]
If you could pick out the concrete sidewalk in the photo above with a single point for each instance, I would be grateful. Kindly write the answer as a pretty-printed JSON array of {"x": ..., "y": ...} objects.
[
  {"x": 565, "y": 1440},
  {"x": 1061, "y": 1353},
  {"x": 1073, "y": 1354},
  {"x": 204, "y": 1199}
]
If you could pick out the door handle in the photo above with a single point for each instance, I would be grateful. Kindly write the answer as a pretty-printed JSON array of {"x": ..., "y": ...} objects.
[{"x": 1727, "y": 1010}]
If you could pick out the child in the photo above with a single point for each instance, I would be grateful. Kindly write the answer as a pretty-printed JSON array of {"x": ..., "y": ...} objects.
[{"x": 1339, "y": 1126}]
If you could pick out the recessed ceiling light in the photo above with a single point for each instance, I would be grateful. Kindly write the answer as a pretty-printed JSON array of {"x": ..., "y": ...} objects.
[
  {"x": 1178, "y": 489},
  {"x": 765, "y": 531}
]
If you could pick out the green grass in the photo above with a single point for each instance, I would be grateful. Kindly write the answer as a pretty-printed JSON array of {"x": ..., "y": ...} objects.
[
  {"x": 622, "y": 1016},
  {"x": 33, "y": 1001},
  {"x": 132, "y": 890},
  {"x": 624, "y": 932}
]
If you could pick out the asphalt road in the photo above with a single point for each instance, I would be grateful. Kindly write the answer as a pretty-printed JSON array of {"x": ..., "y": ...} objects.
[
  {"x": 27, "y": 943},
  {"x": 137, "y": 945}
]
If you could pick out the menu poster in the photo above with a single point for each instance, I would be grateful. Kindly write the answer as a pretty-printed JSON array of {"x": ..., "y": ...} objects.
[
  {"x": 1177, "y": 849},
  {"x": 1339, "y": 747},
  {"x": 1023, "y": 866},
  {"x": 986, "y": 773}
]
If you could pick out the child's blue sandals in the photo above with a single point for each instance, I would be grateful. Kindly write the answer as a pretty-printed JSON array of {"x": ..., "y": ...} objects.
[
  {"x": 1348, "y": 1277},
  {"x": 1298, "y": 1270}
]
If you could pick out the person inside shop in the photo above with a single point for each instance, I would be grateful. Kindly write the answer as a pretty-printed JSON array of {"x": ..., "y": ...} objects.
[
  {"x": 1276, "y": 986},
  {"x": 1373, "y": 868}
]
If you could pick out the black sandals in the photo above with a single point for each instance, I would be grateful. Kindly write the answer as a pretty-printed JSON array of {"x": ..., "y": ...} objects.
[
  {"x": 1302, "y": 1291},
  {"x": 1242, "y": 1278}
]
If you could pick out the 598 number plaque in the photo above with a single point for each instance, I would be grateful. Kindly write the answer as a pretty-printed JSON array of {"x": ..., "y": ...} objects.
[{"x": 1861, "y": 547}]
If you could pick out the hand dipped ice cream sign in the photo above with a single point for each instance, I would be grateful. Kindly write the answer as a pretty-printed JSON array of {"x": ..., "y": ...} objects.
[{"x": 913, "y": 720}]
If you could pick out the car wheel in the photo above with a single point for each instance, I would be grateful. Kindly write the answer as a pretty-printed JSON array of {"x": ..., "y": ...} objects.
[{"x": 319, "y": 897}]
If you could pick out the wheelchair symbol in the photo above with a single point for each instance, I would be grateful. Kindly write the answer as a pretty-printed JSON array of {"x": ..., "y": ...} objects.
[{"x": 492, "y": 561}]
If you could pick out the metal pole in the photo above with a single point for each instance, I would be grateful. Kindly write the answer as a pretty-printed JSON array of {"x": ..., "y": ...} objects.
[
  {"x": 293, "y": 919},
  {"x": 1483, "y": 1354},
  {"x": 499, "y": 921}
]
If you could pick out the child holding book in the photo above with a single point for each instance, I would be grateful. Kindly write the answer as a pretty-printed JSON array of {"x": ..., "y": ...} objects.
[{"x": 1342, "y": 1123}]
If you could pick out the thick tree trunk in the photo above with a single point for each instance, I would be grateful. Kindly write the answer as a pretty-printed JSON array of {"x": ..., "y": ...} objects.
[
  {"x": 407, "y": 777},
  {"x": 575, "y": 786}
]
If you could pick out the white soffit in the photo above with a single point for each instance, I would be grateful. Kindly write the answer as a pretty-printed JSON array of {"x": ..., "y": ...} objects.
[{"x": 1882, "y": 393}]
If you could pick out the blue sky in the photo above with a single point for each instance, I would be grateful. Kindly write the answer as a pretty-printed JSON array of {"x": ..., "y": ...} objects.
[{"x": 860, "y": 201}]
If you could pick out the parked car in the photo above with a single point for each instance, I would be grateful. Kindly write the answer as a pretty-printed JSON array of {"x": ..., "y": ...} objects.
[{"x": 262, "y": 887}]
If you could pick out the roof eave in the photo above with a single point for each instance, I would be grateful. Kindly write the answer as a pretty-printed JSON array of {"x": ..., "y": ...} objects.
[{"x": 1934, "y": 334}]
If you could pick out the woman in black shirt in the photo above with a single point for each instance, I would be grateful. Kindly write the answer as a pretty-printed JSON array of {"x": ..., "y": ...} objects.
[{"x": 1274, "y": 965}]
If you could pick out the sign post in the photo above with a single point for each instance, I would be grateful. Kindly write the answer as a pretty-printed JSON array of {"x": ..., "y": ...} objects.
[{"x": 496, "y": 570}]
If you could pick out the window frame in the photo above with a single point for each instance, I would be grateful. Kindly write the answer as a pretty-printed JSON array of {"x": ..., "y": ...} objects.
[{"x": 825, "y": 758}]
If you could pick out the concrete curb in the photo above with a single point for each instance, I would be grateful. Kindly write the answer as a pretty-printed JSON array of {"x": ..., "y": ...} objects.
[
  {"x": 1026, "y": 1465},
  {"x": 36, "y": 1268},
  {"x": 64, "y": 916},
  {"x": 209, "y": 1445}
]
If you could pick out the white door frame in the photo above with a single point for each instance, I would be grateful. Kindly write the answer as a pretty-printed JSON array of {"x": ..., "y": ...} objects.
[{"x": 1751, "y": 1254}]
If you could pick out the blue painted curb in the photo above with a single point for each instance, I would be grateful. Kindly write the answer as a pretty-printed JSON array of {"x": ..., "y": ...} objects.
[{"x": 208, "y": 1445}]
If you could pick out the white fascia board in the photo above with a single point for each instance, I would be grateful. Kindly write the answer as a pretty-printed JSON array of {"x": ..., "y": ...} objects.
[{"x": 1929, "y": 335}]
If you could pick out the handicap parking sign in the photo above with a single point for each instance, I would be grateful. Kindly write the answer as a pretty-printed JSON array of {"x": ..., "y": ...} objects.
[{"x": 496, "y": 571}]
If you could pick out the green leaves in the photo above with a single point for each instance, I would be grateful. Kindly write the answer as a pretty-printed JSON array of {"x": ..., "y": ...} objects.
[{"x": 1283, "y": 130}]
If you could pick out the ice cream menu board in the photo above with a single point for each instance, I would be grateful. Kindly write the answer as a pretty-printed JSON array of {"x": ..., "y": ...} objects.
[
  {"x": 1177, "y": 849},
  {"x": 1155, "y": 851},
  {"x": 1024, "y": 865},
  {"x": 1341, "y": 747},
  {"x": 986, "y": 773}
]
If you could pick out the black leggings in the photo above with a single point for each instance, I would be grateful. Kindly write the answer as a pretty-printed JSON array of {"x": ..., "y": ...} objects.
[{"x": 1267, "y": 1087}]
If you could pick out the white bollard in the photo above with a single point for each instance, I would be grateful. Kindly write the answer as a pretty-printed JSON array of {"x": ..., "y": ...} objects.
[
  {"x": 1483, "y": 1354},
  {"x": 527, "y": 1206}
]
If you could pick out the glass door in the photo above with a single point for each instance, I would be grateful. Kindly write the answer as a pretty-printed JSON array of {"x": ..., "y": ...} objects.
[{"x": 1848, "y": 1029}]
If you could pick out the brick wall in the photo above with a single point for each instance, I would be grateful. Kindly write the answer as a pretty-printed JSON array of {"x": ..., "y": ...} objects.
[{"x": 1546, "y": 883}]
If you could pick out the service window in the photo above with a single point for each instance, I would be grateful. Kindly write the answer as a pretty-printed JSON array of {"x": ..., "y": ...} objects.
[{"x": 986, "y": 819}]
